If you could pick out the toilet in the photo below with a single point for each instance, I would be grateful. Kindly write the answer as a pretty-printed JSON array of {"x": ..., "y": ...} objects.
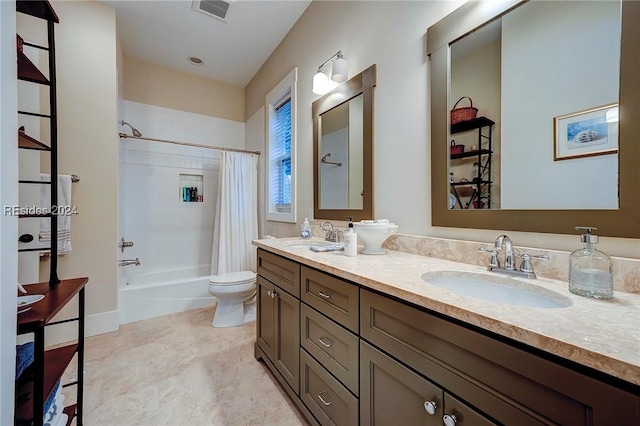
[{"x": 236, "y": 294}]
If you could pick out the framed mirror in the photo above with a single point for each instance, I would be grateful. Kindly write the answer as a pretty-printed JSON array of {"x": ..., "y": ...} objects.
[
  {"x": 615, "y": 212},
  {"x": 343, "y": 150}
]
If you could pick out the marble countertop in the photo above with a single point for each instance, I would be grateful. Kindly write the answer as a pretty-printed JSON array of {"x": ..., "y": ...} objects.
[{"x": 603, "y": 335}]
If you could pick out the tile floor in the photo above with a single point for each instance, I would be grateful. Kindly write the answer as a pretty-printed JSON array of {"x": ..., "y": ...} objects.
[{"x": 178, "y": 370}]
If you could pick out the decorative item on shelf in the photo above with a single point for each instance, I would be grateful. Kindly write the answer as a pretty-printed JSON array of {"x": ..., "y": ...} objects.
[
  {"x": 456, "y": 148},
  {"x": 19, "y": 43},
  {"x": 463, "y": 113}
]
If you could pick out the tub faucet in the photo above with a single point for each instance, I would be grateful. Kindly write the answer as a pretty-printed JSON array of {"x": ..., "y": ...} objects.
[{"x": 127, "y": 262}]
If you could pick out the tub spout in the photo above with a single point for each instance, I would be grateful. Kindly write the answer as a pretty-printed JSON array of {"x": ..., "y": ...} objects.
[{"x": 127, "y": 262}]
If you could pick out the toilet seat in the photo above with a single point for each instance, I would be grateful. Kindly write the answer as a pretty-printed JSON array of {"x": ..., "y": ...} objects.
[{"x": 233, "y": 278}]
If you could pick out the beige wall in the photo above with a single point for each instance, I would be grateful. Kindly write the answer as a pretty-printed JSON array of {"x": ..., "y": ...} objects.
[
  {"x": 153, "y": 84},
  {"x": 87, "y": 134},
  {"x": 8, "y": 197},
  {"x": 391, "y": 35}
]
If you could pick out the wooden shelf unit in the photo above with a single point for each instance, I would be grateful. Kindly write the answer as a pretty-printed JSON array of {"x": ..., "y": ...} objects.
[{"x": 48, "y": 366}]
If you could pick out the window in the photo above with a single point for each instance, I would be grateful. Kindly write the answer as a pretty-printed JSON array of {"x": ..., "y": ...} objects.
[{"x": 281, "y": 143}]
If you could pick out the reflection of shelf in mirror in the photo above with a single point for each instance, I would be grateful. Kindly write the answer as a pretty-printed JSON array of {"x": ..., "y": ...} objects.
[
  {"x": 470, "y": 154},
  {"x": 470, "y": 183},
  {"x": 476, "y": 123}
]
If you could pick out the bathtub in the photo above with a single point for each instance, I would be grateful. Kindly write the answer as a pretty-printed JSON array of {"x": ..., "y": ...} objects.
[{"x": 149, "y": 295}]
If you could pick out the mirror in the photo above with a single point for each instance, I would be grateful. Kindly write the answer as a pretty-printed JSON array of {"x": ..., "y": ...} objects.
[
  {"x": 571, "y": 70},
  {"x": 620, "y": 219},
  {"x": 342, "y": 150}
]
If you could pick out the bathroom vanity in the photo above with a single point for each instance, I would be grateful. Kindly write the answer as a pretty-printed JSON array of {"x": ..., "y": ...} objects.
[{"x": 365, "y": 340}]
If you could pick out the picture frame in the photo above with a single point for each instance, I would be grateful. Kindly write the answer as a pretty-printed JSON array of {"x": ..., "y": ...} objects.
[{"x": 586, "y": 133}]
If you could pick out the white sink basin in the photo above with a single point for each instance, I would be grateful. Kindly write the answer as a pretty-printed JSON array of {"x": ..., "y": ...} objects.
[
  {"x": 307, "y": 243},
  {"x": 498, "y": 289}
]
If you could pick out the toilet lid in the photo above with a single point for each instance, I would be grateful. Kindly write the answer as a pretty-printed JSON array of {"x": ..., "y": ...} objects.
[{"x": 240, "y": 277}]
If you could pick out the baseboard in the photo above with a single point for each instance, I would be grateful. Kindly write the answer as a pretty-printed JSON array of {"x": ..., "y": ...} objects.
[{"x": 104, "y": 322}]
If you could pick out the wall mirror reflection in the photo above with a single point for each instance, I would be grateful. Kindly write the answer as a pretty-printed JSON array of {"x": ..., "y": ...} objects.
[
  {"x": 522, "y": 71},
  {"x": 540, "y": 180},
  {"x": 343, "y": 145}
]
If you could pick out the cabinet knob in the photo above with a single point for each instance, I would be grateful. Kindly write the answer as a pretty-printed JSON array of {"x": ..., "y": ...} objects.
[
  {"x": 431, "y": 407},
  {"x": 449, "y": 420},
  {"x": 324, "y": 401},
  {"x": 273, "y": 294}
]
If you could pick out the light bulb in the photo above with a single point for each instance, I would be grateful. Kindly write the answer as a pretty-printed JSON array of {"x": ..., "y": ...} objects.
[{"x": 320, "y": 83}]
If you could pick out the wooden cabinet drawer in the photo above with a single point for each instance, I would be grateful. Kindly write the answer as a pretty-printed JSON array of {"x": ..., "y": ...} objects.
[
  {"x": 282, "y": 272},
  {"x": 332, "y": 345},
  {"x": 510, "y": 384},
  {"x": 329, "y": 401},
  {"x": 332, "y": 296}
]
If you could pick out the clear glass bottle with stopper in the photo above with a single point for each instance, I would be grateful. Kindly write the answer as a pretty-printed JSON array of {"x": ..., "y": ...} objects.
[{"x": 590, "y": 271}]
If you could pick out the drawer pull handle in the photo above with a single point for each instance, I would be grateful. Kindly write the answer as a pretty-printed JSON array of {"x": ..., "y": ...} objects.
[
  {"x": 272, "y": 294},
  {"x": 324, "y": 295},
  {"x": 323, "y": 339},
  {"x": 431, "y": 407},
  {"x": 324, "y": 401},
  {"x": 449, "y": 420}
]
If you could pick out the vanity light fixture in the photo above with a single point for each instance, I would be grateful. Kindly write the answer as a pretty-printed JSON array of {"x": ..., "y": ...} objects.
[{"x": 338, "y": 73}]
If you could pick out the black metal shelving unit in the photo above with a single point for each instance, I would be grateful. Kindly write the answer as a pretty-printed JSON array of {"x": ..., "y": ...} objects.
[
  {"x": 481, "y": 184},
  {"x": 28, "y": 71},
  {"x": 38, "y": 381}
]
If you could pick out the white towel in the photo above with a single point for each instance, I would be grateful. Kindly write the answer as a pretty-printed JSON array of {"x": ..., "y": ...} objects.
[
  {"x": 55, "y": 411},
  {"x": 63, "y": 210}
]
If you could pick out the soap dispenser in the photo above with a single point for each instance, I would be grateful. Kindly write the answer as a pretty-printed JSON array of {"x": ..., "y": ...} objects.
[
  {"x": 305, "y": 229},
  {"x": 350, "y": 241},
  {"x": 590, "y": 272}
]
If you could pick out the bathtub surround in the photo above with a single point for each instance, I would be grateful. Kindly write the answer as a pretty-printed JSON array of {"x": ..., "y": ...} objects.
[{"x": 172, "y": 238}]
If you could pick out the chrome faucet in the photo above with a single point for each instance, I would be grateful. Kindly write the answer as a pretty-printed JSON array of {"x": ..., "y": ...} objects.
[
  {"x": 505, "y": 241},
  {"x": 127, "y": 262},
  {"x": 526, "y": 268},
  {"x": 332, "y": 234}
]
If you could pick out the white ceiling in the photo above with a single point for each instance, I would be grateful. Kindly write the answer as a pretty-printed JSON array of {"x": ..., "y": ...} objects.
[{"x": 168, "y": 32}]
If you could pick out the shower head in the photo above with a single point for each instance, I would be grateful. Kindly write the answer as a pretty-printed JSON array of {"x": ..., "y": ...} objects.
[{"x": 135, "y": 131}]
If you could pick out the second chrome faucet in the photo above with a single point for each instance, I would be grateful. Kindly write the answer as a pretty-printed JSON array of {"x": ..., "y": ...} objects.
[{"x": 504, "y": 243}]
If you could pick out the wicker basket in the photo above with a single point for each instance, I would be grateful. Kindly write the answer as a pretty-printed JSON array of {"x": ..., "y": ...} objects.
[
  {"x": 456, "y": 148},
  {"x": 463, "y": 113}
]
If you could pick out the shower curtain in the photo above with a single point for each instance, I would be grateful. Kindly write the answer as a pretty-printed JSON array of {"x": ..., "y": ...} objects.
[{"x": 236, "y": 218}]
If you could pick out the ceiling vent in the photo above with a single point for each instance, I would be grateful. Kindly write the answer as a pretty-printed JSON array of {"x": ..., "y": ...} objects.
[{"x": 216, "y": 8}]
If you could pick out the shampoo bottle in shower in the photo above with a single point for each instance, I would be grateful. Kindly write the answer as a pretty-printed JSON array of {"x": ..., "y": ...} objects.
[
  {"x": 305, "y": 230},
  {"x": 590, "y": 271}
]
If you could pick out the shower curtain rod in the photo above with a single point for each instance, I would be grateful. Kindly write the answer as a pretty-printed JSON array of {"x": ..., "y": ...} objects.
[{"x": 196, "y": 145}]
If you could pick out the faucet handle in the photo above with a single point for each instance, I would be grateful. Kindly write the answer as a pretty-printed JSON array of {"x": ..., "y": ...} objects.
[
  {"x": 493, "y": 262},
  {"x": 526, "y": 265}
]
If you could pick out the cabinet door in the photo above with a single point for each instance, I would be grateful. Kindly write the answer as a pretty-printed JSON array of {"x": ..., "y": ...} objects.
[
  {"x": 392, "y": 394},
  {"x": 460, "y": 414},
  {"x": 266, "y": 325},
  {"x": 287, "y": 345}
]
